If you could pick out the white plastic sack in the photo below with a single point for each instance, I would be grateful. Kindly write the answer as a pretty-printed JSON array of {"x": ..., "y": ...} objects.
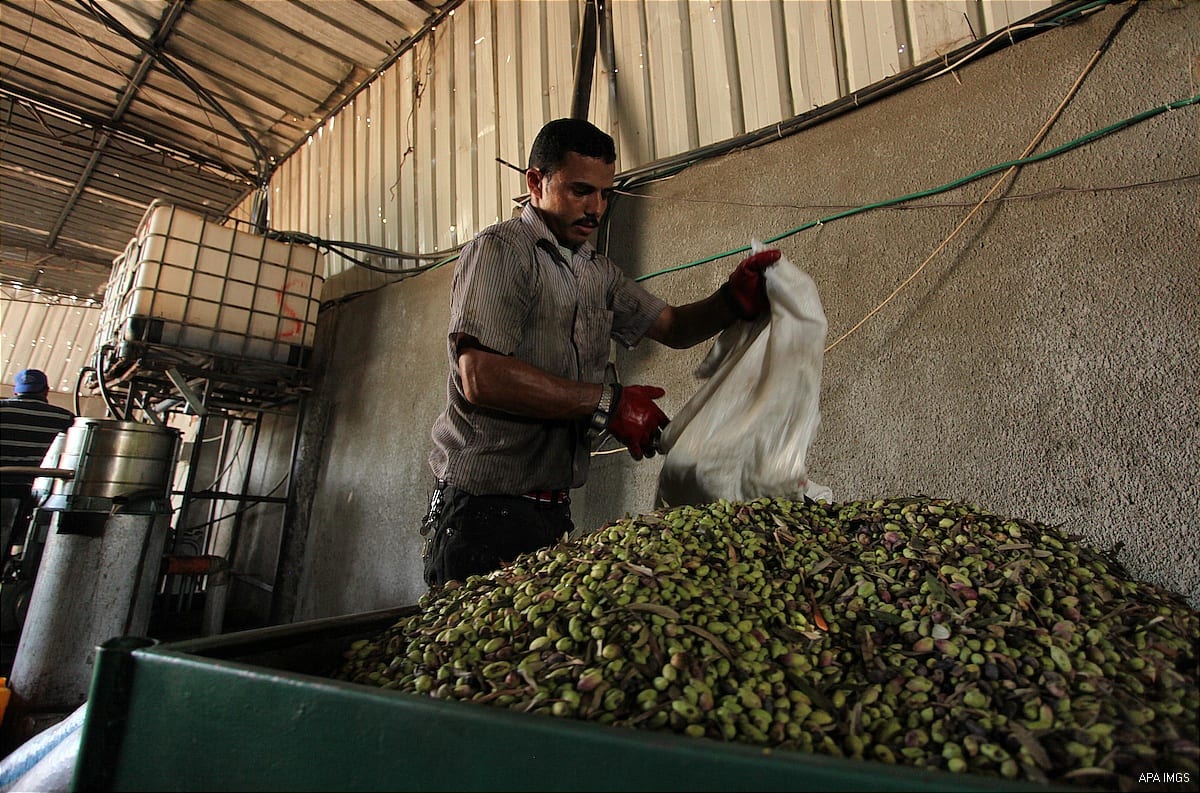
[
  {"x": 747, "y": 430},
  {"x": 46, "y": 762}
]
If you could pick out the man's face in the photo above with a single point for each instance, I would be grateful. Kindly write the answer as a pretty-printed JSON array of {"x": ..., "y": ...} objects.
[{"x": 572, "y": 198}]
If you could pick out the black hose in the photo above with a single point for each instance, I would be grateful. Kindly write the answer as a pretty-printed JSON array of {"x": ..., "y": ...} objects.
[
  {"x": 108, "y": 401},
  {"x": 79, "y": 384}
]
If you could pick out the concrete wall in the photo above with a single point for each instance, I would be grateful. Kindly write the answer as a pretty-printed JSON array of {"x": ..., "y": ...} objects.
[{"x": 1044, "y": 364}]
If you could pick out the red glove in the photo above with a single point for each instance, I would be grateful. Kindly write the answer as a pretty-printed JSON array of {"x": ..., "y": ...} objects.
[
  {"x": 746, "y": 289},
  {"x": 636, "y": 421}
]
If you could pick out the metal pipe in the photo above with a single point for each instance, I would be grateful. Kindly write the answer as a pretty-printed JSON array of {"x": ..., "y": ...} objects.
[
  {"x": 608, "y": 58},
  {"x": 189, "y": 485},
  {"x": 733, "y": 69},
  {"x": 33, "y": 470},
  {"x": 286, "y": 530},
  {"x": 294, "y": 529},
  {"x": 175, "y": 564},
  {"x": 585, "y": 63},
  {"x": 89, "y": 589},
  {"x": 218, "y": 575},
  {"x": 783, "y": 68},
  {"x": 223, "y": 495},
  {"x": 651, "y": 144}
]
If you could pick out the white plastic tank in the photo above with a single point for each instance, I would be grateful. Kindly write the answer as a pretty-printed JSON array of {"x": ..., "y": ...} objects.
[{"x": 187, "y": 282}]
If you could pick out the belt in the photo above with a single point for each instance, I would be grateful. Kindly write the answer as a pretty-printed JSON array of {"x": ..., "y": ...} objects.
[
  {"x": 549, "y": 496},
  {"x": 540, "y": 496}
]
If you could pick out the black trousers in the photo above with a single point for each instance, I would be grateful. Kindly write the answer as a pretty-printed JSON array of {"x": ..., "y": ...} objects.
[{"x": 468, "y": 535}]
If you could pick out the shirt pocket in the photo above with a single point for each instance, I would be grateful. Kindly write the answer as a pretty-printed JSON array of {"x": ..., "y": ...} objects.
[{"x": 593, "y": 329}]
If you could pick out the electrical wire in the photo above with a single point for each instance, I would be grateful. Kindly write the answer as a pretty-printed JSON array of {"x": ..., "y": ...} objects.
[
  {"x": 1047, "y": 19},
  {"x": 980, "y": 174},
  {"x": 236, "y": 512},
  {"x": 336, "y": 247},
  {"x": 117, "y": 135},
  {"x": 6, "y": 128},
  {"x": 1067, "y": 16},
  {"x": 232, "y": 458},
  {"x": 1048, "y": 192},
  {"x": 343, "y": 248},
  {"x": 262, "y": 160},
  {"x": 637, "y": 178}
]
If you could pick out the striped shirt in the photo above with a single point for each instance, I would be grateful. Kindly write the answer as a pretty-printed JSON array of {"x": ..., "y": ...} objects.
[
  {"x": 516, "y": 292},
  {"x": 27, "y": 428}
]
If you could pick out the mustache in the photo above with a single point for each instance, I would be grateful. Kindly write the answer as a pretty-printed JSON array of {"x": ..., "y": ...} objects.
[{"x": 591, "y": 220}]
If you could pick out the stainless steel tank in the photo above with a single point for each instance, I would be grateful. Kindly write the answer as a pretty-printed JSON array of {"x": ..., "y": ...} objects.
[
  {"x": 102, "y": 559},
  {"x": 124, "y": 465}
]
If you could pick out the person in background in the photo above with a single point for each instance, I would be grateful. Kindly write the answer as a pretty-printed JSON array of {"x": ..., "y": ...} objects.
[
  {"x": 533, "y": 307},
  {"x": 28, "y": 425}
]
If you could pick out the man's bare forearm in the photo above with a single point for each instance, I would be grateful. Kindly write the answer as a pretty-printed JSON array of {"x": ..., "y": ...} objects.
[
  {"x": 680, "y": 327},
  {"x": 505, "y": 383}
]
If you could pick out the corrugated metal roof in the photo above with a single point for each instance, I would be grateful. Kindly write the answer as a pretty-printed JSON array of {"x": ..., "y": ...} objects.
[{"x": 108, "y": 105}]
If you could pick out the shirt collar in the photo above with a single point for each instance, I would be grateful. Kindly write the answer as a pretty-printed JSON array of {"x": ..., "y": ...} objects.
[{"x": 533, "y": 218}]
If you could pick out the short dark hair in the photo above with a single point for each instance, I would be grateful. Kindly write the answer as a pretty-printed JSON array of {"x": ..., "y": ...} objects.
[{"x": 564, "y": 135}]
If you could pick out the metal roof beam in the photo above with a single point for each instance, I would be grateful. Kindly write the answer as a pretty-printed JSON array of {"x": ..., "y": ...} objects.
[{"x": 166, "y": 26}]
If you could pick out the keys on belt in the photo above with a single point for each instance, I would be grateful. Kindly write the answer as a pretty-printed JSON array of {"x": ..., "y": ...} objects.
[{"x": 429, "y": 524}]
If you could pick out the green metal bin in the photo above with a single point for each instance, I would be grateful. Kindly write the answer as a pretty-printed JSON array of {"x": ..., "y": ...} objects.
[{"x": 255, "y": 711}]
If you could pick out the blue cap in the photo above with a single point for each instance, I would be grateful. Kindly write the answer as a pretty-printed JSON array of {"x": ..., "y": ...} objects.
[{"x": 30, "y": 381}]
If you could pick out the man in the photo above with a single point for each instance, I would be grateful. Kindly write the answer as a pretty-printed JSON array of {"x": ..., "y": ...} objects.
[
  {"x": 28, "y": 425},
  {"x": 532, "y": 309}
]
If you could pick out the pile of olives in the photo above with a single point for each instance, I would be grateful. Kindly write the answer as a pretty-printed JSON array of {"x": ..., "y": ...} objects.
[{"x": 911, "y": 630}]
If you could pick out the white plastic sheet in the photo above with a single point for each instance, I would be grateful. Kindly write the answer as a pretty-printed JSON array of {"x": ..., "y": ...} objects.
[{"x": 747, "y": 430}]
